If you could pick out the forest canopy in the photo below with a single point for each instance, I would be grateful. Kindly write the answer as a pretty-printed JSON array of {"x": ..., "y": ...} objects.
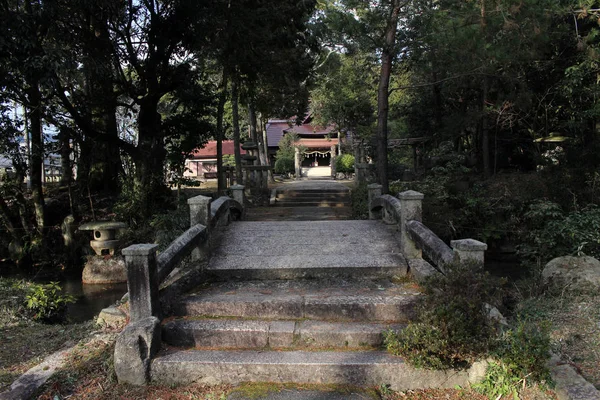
[{"x": 123, "y": 91}]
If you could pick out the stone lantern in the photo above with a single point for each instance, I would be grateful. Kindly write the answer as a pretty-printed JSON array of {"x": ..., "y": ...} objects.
[{"x": 104, "y": 267}]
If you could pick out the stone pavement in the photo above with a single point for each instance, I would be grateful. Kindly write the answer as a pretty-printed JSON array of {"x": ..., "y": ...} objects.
[{"x": 314, "y": 185}]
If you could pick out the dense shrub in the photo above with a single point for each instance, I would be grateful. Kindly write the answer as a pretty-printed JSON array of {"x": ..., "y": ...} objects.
[
  {"x": 520, "y": 356},
  {"x": 345, "y": 164},
  {"x": 453, "y": 328},
  {"x": 553, "y": 233},
  {"x": 284, "y": 165},
  {"x": 360, "y": 201}
]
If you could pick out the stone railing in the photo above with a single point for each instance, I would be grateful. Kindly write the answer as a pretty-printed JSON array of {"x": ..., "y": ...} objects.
[
  {"x": 140, "y": 340},
  {"x": 416, "y": 239},
  {"x": 146, "y": 271}
]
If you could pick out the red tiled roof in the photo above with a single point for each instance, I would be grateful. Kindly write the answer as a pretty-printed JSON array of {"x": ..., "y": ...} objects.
[{"x": 210, "y": 150}]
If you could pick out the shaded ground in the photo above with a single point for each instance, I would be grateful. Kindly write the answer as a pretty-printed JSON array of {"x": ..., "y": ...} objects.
[
  {"x": 26, "y": 343},
  {"x": 575, "y": 328}
]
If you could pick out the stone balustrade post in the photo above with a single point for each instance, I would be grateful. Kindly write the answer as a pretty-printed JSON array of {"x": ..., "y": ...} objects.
[
  {"x": 142, "y": 283},
  {"x": 374, "y": 192},
  {"x": 469, "y": 250},
  {"x": 411, "y": 210},
  {"x": 200, "y": 214},
  {"x": 199, "y": 210},
  {"x": 237, "y": 191}
]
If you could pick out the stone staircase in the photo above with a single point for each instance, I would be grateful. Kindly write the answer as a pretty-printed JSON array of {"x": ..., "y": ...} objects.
[
  {"x": 306, "y": 204},
  {"x": 299, "y": 302},
  {"x": 333, "y": 197}
]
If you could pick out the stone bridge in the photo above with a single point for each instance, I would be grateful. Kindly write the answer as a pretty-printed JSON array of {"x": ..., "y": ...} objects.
[{"x": 283, "y": 301}]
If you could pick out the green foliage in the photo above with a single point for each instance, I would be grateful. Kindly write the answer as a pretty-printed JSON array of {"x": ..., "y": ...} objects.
[
  {"x": 286, "y": 154},
  {"x": 287, "y": 146},
  {"x": 499, "y": 381},
  {"x": 525, "y": 349},
  {"x": 554, "y": 233},
  {"x": 521, "y": 355},
  {"x": 284, "y": 165},
  {"x": 359, "y": 197},
  {"x": 46, "y": 302},
  {"x": 169, "y": 225},
  {"x": 422, "y": 344},
  {"x": 12, "y": 300},
  {"x": 229, "y": 160},
  {"x": 453, "y": 328},
  {"x": 343, "y": 94},
  {"x": 345, "y": 164}
]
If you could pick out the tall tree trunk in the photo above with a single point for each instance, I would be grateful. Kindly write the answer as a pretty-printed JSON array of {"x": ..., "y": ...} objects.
[
  {"x": 84, "y": 164},
  {"x": 252, "y": 125},
  {"x": 102, "y": 98},
  {"x": 221, "y": 183},
  {"x": 485, "y": 140},
  {"x": 256, "y": 131},
  {"x": 27, "y": 145},
  {"x": 387, "y": 58},
  {"x": 485, "y": 131},
  {"x": 150, "y": 158},
  {"x": 236, "y": 131},
  {"x": 65, "y": 155},
  {"x": 37, "y": 153},
  {"x": 437, "y": 96},
  {"x": 263, "y": 130}
]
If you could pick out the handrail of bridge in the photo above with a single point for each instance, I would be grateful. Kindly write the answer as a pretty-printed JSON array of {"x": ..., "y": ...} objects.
[
  {"x": 146, "y": 271},
  {"x": 141, "y": 339},
  {"x": 405, "y": 211}
]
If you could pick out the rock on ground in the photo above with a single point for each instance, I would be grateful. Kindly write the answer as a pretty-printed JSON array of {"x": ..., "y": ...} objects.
[
  {"x": 103, "y": 270},
  {"x": 577, "y": 270}
]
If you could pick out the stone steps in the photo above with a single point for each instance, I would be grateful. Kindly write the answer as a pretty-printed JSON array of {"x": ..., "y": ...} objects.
[
  {"x": 313, "y": 198},
  {"x": 307, "y": 250},
  {"x": 298, "y": 214},
  {"x": 312, "y": 203},
  {"x": 325, "y": 300},
  {"x": 358, "y": 368},
  {"x": 301, "y": 297},
  {"x": 313, "y": 194},
  {"x": 274, "y": 334}
]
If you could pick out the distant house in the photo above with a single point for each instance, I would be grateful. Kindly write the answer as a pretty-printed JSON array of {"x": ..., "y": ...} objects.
[
  {"x": 203, "y": 162},
  {"x": 52, "y": 171},
  {"x": 321, "y": 143},
  {"x": 6, "y": 166}
]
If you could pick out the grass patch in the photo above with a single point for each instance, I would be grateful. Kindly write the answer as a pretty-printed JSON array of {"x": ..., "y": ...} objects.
[
  {"x": 89, "y": 374},
  {"x": 258, "y": 390},
  {"x": 574, "y": 327},
  {"x": 531, "y": 393},
  {"x": 25, "y": 343}
]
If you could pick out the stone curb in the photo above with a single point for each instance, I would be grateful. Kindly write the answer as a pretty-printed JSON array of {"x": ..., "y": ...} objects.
[{"x": 570, "y": 385}]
